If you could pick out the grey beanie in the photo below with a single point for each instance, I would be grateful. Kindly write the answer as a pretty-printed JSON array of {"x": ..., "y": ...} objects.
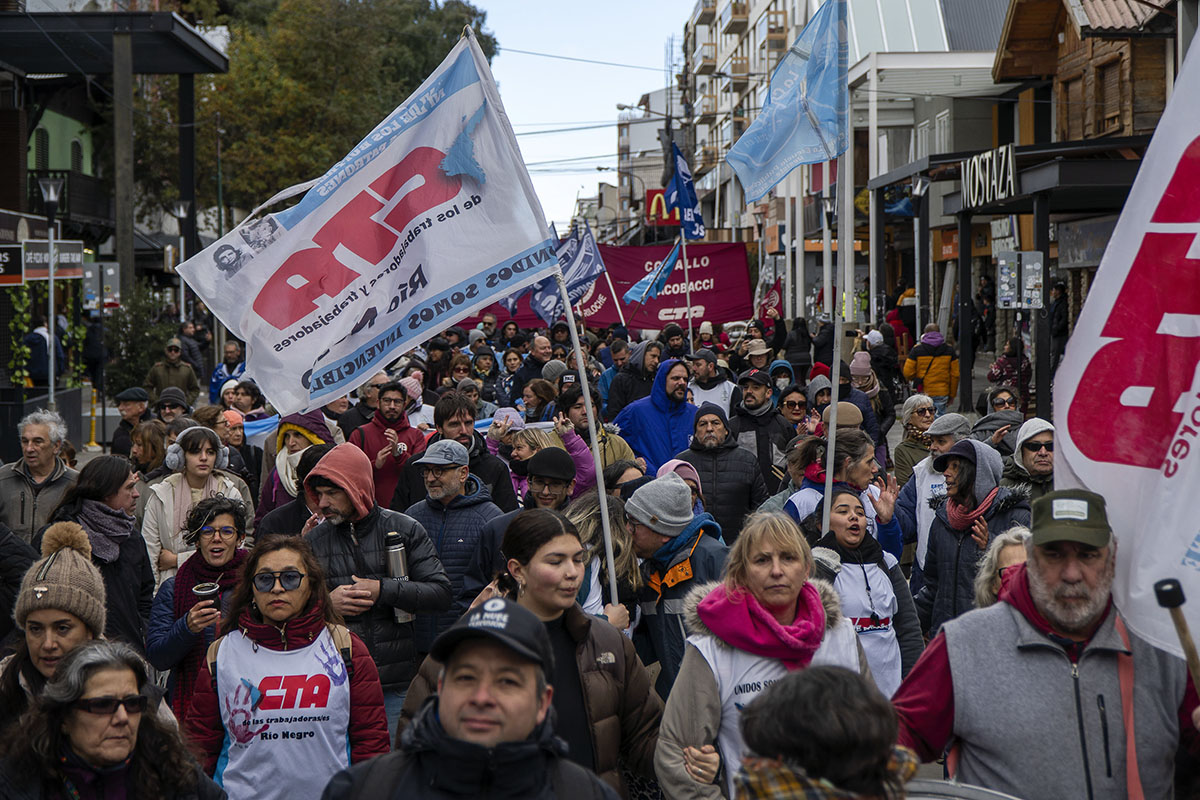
[
  {"x": 950, "y": 424},
  {"x": 553, "y": 370},
  {"x": 664, "y": 505}
]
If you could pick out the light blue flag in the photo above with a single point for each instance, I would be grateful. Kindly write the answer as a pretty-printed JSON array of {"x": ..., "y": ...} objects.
[
  {"x": 256, "y": 431},
  {"x": 805, "y": 118},
  {"x": 580, "y": 261},
  {"x": 649, "y": 286},
  {"x": 681, "y": 193}
]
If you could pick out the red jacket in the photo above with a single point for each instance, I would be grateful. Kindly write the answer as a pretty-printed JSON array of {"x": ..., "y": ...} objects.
[
  {"x": 924, "y": 702},
  {"x": 368, "y": 723},
  {"x": 370, "y": 438}
]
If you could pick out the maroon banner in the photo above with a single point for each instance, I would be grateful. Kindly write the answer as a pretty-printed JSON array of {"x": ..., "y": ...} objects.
[
  {"x": 772, "y": 299},
  {"x": 720, "y": 289}
]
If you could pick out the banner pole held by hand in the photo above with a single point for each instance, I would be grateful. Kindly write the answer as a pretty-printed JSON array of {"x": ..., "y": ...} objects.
[{"x": 1169, "y": 593}]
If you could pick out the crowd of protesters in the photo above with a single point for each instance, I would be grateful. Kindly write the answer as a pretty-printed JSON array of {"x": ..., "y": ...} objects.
[{"x": 409, "y": 593}]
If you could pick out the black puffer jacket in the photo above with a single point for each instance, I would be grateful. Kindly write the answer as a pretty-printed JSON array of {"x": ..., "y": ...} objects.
[
  {"x": 731, "y": 481},
  {"x": 454, "y": 530},
  {"x": 16, "y": 558},
  {"x": 765, "y": 435},
  {"x": 431, "y": 764},
  {"x": 18, "y": 784},
  {"x": 357, "y": 548},
  {"x": 631, "y": 383}
]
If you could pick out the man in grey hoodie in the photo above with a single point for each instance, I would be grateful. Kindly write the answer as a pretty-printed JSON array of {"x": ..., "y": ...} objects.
[{"x": 1031, "y": 466}]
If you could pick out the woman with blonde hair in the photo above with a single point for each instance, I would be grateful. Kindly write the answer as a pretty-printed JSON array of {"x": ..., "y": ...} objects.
[
  {"x": 595, "y": 594},
  {"x": 518, "y": 446},
  {"x": 764, "y": 620}
]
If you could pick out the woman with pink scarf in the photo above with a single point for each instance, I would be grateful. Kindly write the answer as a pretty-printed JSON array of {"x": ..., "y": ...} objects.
[{"x": 764, "y": 620}]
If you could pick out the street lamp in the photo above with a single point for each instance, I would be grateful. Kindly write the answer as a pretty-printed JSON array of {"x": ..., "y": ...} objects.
[
  {"x": 179, "y": 210},
  {"x": 51, "y": 191}
]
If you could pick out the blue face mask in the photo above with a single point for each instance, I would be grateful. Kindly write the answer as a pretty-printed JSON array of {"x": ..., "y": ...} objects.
[{"x": 698, "y": 508}]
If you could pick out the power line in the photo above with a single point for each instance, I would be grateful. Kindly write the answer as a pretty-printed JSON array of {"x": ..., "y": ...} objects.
[{"x": 659, "y": 70}]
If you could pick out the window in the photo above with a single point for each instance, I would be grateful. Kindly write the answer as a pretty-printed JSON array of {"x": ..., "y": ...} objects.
[
  {"x": 41, "y": 149},
  {"x": 1108, "y": 97},
  {"x": 923, "y": 139},
  {"x": 76, "y": 156},
  {"x": 1071, "y": 113},
  {"x": 941, "y": 132}
]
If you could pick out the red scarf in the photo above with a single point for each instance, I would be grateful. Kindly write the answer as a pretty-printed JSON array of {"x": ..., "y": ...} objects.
[
  {"x": 740, "y": 621},
  {"x": 960, "y": 519},
  {"x": 194, "y": 572},
  {"x": 815, "y": 472}
]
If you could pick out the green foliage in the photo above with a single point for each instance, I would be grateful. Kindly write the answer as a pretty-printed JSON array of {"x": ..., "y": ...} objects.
[
  {"x": 135, "y": 335},
  {"x": 18, "y": 327},
  {"x": 307, "y": 80}
]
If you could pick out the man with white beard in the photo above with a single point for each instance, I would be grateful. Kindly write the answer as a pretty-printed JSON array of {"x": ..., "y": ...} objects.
[{"x": 1034, "y": 693}]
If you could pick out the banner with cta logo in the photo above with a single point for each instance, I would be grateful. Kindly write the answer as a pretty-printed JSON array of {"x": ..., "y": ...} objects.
[
  {"x": 1127, "y": 394},
  {"x": 428, "y": 219}
]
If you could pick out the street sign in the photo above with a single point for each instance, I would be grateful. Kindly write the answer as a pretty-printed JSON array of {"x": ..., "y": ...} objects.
[
  {"x": 12, "y": 272},
  {"x": 68, "y": 258}
]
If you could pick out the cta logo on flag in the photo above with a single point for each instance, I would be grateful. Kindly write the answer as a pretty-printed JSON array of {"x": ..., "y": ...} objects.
[
  {"x": 805, "y": 118},
  {"x": 1127, "y": 393},
  {"x": 429, "y": 218}
]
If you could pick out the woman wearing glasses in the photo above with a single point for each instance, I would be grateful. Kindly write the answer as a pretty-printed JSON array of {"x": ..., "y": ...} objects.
[
  {"x": 90, "y": 736},
  {"x": 287, "y": 697},
  {"x": 1002, "y": 417},
  {"x": 188, "y": 606},
  {"x": 1005, "y": 552},
  {"x": 793, "y": 404},
  {"x": 916, "y": 416}
]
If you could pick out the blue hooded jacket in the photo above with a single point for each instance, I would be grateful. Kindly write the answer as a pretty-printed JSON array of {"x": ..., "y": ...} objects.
[
  {"x": 657, "y": 427},
  {"x": 779, "y": 363}
]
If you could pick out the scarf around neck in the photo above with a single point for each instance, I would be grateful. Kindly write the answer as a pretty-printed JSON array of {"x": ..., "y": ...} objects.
[
  {"x": 741, "y": 622},
  {"x": 960, "y": 519},
  {"x": 912, "y": 434},
  {"x": 106, "y": 528},
  {"x": 285, "y": 468},
  {"x": 868, "y": 385},
  {"x": 193, "y": 572},
  {"x": 183, "y": 498}
]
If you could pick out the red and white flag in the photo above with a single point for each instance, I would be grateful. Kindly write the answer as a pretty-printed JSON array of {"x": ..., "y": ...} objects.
[
  {"x": 1127, "y": 394},
  {"x": 772, "y": 299}
]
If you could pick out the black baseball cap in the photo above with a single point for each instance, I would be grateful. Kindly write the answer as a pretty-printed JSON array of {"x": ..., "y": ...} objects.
[
  {"x": 755, "y": 375},
  {"x": 502, "y": 621},
  {"x": 703, "y": 354}
]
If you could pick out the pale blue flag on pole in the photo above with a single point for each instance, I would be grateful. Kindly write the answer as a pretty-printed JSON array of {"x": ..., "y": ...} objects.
[
  {"x": 580, "y": 260},
  {"x": 649, "y": 286},
  {"x": 681, "y": 193},
  {"x": 805, "y": 118}
]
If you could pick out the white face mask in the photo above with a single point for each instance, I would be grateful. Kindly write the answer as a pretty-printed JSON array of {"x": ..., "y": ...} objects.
[{"x": 781, "y": 383}]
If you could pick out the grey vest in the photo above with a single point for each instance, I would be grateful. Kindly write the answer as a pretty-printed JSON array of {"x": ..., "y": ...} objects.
[{"x": 1032, "y": 724}]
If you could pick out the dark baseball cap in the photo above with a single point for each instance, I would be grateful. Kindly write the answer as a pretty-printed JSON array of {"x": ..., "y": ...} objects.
[
  {"x": 503, "y": 621},
  {"x": 755, "y": 375},
  {"x": 1071, "y": 515},
  {"x": 703, "y": 354}
]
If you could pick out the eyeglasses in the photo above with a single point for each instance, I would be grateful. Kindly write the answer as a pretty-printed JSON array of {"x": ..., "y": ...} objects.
[
  {"x": 1033, "y": 447},
  {"x": 289, "y": 579},
  {"x": 134, "y": 704},
  {"x": 541, "y": 484},
  {"x": 209, "y": 532},
  {"x": 792, "y": 404},
  {"x": 1001, "y": 402},
  {"x": 928, "y": 410},
  {"x": 427, "y": 469}
]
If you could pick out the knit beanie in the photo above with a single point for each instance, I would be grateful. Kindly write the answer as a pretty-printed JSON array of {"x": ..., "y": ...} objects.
[
  {"x": 860, "y": 365},
  {"x": 65, "y": 579},
  {"x": 710, "y": 410},
  {"x": 664, "y": 505},
  {"x": 227, "y": 385},
  {"x": 553, "y": 370},
  {"x": 706, "y": 327},
  {"x": 412, "y": 385},
  {"x": 233, "y": 416}
]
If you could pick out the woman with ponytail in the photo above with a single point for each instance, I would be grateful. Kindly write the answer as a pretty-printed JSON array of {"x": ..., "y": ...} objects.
[{"x": 607, "y": 710}]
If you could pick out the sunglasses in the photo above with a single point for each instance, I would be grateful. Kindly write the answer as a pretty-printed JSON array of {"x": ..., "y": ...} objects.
[
  {"x": 169, "y": 405},
  {"x": 1033, "y": 447},
  {"x": 1001, "y": 402},
  {"x": 134, "y": 704},
  {"x": 792, "y": 404},
  {"x": 209, "y": 532},
  {"x": 463, "y": 370},
  {"x": 289, "y": 579},
  {"x": 928, "y": 410},
  {"x": 174, "y": 350}
]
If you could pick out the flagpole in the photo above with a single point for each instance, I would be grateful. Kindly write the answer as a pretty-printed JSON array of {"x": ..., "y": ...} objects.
[
  {"x": 592, "y": 419},
  {"x": 612, "y": 289},
  {"x": 845, "y": 256},
  {"x": 687, "y": 288}
]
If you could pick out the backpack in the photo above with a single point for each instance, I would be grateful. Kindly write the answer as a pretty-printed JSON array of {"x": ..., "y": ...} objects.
[{"x": 341, "y": 640}]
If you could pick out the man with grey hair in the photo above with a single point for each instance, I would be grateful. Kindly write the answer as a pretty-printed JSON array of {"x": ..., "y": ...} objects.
[
  {"x": 32, "y": 486},
  {"x": 1054, "y": 649},
  {"x": 912, "y": 506}
]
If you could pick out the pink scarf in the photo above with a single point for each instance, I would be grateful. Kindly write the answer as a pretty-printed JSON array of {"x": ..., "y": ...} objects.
[
  {"x": 740, "y": 621},
  {"x": 183, "y": 500},
  {"x": 960, "y": 519}
]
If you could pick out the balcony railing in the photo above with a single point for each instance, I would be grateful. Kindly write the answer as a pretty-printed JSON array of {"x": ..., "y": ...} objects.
[
  {"x": 705, "y": 11},
  {"x": 734, "y": 18},
  {"x": 707, "y": 109},
  {"x": 83, "y": 198},
  {"x": 706, "y": 59},
  {"x": 739, "y": 72}
]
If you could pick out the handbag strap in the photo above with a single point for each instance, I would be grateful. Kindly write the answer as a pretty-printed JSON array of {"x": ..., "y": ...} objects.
[{"x": 1133, "y": 778}]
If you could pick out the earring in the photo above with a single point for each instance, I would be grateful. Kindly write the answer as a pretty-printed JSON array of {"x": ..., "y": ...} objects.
[{"x": 520, "y": 588}]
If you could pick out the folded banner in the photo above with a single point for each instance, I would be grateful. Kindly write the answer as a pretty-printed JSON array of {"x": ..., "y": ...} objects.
[
  {"x": 1127, "y": 393},
  {"x": 581, "y": 264},
  {"x": 430, "y": 218},
  {"x": 719, "y": 274}
]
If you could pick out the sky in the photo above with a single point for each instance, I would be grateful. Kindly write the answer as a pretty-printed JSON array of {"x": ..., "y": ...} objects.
[{"x": 548, "y": 93}]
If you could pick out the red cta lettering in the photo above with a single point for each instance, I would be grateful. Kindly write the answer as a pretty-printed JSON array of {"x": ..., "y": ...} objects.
[
  {"x": 1124, "y": 409},
  {"x": 307, "y": 275},
  {"x": 294, "y": 691}
]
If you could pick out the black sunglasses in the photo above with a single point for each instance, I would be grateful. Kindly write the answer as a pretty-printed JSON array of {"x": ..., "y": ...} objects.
[
  {"x": 1001, "y": 402},
  {"x": 792, "y": 404},
  {"x": 289, "y": 579},
  {"x": 1033, "y": 447},
  {"x": 134, "y": 704}
]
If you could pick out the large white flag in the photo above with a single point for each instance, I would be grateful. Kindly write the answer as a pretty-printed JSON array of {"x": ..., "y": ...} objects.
[
  {"x": 1127, "y": 394},
  {"x": 429, "y": 218}
]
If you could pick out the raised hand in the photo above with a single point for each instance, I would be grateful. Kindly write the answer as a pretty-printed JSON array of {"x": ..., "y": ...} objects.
[{"x": 885, "y": 504}]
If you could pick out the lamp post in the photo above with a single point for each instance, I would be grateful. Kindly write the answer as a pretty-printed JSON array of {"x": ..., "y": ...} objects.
[
  {"x": 919, "y": 188},
  {"x": 179, "y": 210},
  {"x": 51, "y": 190}
]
